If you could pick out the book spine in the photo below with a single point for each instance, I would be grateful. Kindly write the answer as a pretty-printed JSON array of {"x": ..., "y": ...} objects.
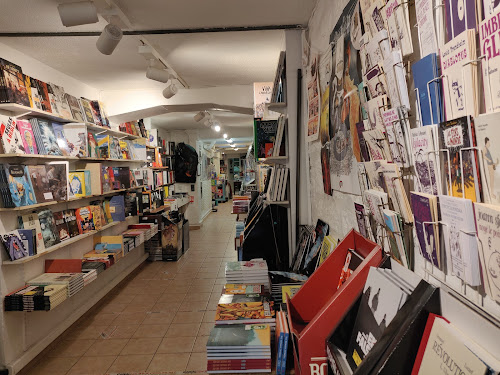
[
  {"x": 284, "y": 355},
  {"x": 279, "y": 351},
  {"x": 3, "y": 87}
]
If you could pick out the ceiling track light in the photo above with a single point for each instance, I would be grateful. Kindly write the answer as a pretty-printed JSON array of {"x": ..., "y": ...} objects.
[
  {"x": 225, "y": 136},
  {"x": 159, "y": 75},
  {"x": 200, "y": 116},
  {"x": 170, "y": 91},
  {"x": 78, "y": 13},
  {"x": 109, "y": 39},
  {"x": 216, "y": 128}
]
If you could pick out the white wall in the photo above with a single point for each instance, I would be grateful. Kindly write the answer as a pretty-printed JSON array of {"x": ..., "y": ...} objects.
[
  {"x": 36, "y": 69},
  {"x": 336, "y": 210}
]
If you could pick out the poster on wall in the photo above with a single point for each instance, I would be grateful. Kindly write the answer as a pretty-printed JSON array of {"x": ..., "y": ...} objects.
[
  {"x": 325, "y": 73},
  {"x": 313, "y": 101},
  {"x": 325, "y": 169},
  {"x": 345, "y": 104},
  {"x": 262, "y": 92}
]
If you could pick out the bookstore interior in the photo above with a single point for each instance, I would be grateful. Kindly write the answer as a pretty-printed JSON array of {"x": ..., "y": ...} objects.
[{"x": 298, "y": 187}]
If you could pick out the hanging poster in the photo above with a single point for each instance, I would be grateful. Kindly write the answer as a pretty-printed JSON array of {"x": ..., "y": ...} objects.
[
  {"x": 325, "y": 72},
  {"x": 313, "y": 102},
  {"x": 325, "y": 169},
  {"x": 345, "y": 105}
]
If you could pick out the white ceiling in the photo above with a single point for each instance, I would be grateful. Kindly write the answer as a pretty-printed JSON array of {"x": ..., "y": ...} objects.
[{"x": 201, "y": 59}]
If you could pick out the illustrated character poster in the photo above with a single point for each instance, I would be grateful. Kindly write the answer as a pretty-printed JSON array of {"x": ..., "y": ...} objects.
[
  {"x": 325, "y": 73},
  {"x": 345, "y": 104},
  {"x": 313, "y": 101}
]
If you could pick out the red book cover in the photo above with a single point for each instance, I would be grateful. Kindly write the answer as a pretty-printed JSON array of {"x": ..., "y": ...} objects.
[
  {"x": 269, "y": 149},
  {"x": 84, "y": 219},
  {"x": 128, "y": 128},
  {"x": 63, "y": 265},
  {"x": 423, "y": 342}
]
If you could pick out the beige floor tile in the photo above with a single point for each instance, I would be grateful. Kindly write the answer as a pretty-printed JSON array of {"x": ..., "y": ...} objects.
[
  {"x": 188, "y": 317},
  {"x": 172, "y": 297},
  {"x": 185, "y": 329},
  {"x": 181, "y": 288},
  {"x": 205, "y": 288},
  {"x": 106, "y": 347},
  {"x": 151, "y": 330},
  {"x": 113, "y": 307},
  {"x": 101, "y": 319},
  {"x": 144, "y": 299},
  {"x": 169, "y": 362},
  {"x": 166, "y": 307},
  {"x": 92, "y": 365},
  {"x": 85, "y": 332},
  {"x": 53, "y": 366},
  {"x": 130, "y": 318},
  {"x": 205, "y": 296},
  {"x": 176, "y": 345},
  {"x": 200, "y": 344},
  {"x": 205, "y": 329},
  {"x": 120, "y": 332},
  {"x": 139, "y": 307},
  {"x": 71, "y": 348},
  {"x": 132, "y": 290},
  {"x": 124, "y": 364},
  {"x": 197, "y": 362},
  {"x": 141, "y": 346},
  {"x": 209, "y": 316},
  {"x": 159, "y": 317},
  {"x": 193, "y": 305}
]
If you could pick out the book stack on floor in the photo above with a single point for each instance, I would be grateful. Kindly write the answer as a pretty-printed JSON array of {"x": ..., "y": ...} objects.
[
  {"x": 239, "y": 349},
  {"x": 282, "y": 337},
  {"x": 88, "y": 266},
  {"x": 36, "y": 298},
  {"x": 248, "y": 272},
  {"x": 240, "y": 204},
  {"x": 73, "y": 281},
  {"x": 89, "y": 276},
  {"x": 245, "y": 309}
]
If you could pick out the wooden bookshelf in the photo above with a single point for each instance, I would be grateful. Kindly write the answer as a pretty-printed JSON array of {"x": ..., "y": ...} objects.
[
  {"x": 155, "y": 211},
  {"x": 39, "y": 205},
  {"x": 274, "y": 160},
  {"x": 62, "y": 244}
]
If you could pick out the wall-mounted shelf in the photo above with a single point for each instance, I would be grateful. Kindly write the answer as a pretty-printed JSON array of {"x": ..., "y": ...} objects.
[
  {"x": 277, "y": 107},
  {"x": 51, "y": 203},
  {"x": 62, "y": 244},
  {"x": 159, "y": 168},
  {"x": 45, "y": 158},
  {"x": 23, "y": 112},
  {"x": 279, "y": 203},
  {"x": 274, "y": 160}
]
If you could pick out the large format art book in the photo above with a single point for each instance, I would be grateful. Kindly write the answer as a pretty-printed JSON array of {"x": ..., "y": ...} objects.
[
  {"x": 240, "y": 337},
  {"x": 28, "y": 137},
  {"x": 20, "y": 186},
  {"x": 489, "y": 42},
  {"x": 12, "y": 142},
  {"x": 424, "y": 208},
  {"x": 40, "y": 183},
  {"x": 429, "y": 93},
  {"x": 425, "y": 158},
  {"x": 265, "y": 137},
  {"x": 454, "y": 136}
]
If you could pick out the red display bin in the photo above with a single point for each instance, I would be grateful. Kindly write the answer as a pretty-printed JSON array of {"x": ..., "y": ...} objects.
[{"x": 318, "y": 307}]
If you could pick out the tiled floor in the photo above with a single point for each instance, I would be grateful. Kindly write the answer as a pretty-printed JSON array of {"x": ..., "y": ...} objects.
[{"x": 156, "y": 322}]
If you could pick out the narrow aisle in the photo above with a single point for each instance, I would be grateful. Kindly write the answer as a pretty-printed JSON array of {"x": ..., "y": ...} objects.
[{"x": 158, "y": 320}]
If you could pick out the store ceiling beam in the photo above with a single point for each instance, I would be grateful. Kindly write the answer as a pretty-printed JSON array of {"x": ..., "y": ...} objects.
[{"x": 35, "y": 34}]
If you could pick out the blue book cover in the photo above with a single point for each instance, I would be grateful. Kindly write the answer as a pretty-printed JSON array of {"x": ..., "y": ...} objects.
[
  {"x": 424, "y": 71},
  {"x": 27, "y": 238},
  {"x": 117, "y": 208},
  {"x": 48, "y": 138},
  {"x": 20, "y": 186},
  {"x": 284, "y": 354}
]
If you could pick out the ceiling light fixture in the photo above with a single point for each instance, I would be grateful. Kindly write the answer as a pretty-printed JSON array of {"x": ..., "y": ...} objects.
[
  {"x": 170, "y": 91},
  {"x": 159, "y": 75},
  {"x": 109, "y": 39},
  {"x": 225, "y": 136},
  {"x": 208, "y": 123},
  {"x": 217, "y": 128},
  {"x": 200, "y": 116},
  {"x": 229, "y": 140},
  {"x": 79, "y": 13}
]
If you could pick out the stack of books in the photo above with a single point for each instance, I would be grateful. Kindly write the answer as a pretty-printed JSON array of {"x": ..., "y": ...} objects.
[
  {"x": 36, "y": 298},
  {"x": 239, "y": 349},
  {"x": 97, "y": 266},
  {"x": 240, "y": 204},
  {"x": 89, "y": 276},
  {"x": 248, "y": 272},
  {"x": 244, "y": 309},
  {"x": 73, "y": 281}
]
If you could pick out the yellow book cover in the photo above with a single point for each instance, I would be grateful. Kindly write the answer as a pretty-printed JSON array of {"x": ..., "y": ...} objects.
[
  {"x": 328, "y": 245},
  {"x": 289, "y": 290},
  {"x": 76, "y": 184}
]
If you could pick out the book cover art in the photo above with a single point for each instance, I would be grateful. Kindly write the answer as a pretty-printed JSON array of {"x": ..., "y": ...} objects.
[
  {"x": 460, "y": 16},
  {"x": 76, "y": 137},
  {"x": 57, "y": 173},
  {"x": 93, "y": 150},
  {"x": 84, "y": 219},
  {"x": 103, "y": 146},
  {"x": 48, "y": 138},
  {"x": 115, "y": 151},
  {"x": 48, "y": 226},
  {"x": 240, "y": 336},
  {"x": 455, "y": 135},
  {"x": 327, "y": 247},
  {"x": 104, "y": 115},
  {"x": 486, "y": 132},
  {"x": 20, "y": 187},
  {"x": 429, "y": 95},
  {"x": 459, "y": 85},
  {"x": 423, "y": 207},
  {"x": 375, "y": 201},
  {"x": 265, "y": 134},
  {"x": 40, "y": 183},
  {"x": 395, "y": 137},
  {"x": 380, "y": 302},
  {"x": 259, "y": 266},
  {"x": 61, "y": 226},
  {"x": 96, "y": 112},
  {"x": 35, "y": 95},
  {"x": 12, "y": 141},
  {"x": 62, "y": 142},
  {"x": 361, "y": 219},
  {"x": 15, "y": 87},
  {"x": 27, "y": 136},
  {"x": 122, "y": 177},
  {"x": 87, "y": 110},
  {"x": 320, "y": 232},
  {"x": 489, "y": 249},
  {"x": 70, "y": 219},
  {"x": 262, "y": 311},
  {"x": 125, "y": 151},
  {"x": 31, "y": 221},
  {"x": 97, "y": 216},
  {"x": 76, "y": 184},
  {"x": 425, "y": 159},
  {"x": 43, "y": 92},
  {"x": 28, "y": 238},
  {"x": 461, "y": 248},
  {"x": 117, "y": 208},
  {"x": 63, "y": 107},
  {"x": 14, "y": 245},
  {"x": 488, "y": 42},
  {"x": 76, "y": 111},
  {"x": 378, "y": 145}
]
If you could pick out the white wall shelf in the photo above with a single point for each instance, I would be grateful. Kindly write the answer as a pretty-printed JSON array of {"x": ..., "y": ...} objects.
[
  {"x": 277, "y": 107},
  {"x": 21, "y": 158},
  {"x": 274, "y": 160}
]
